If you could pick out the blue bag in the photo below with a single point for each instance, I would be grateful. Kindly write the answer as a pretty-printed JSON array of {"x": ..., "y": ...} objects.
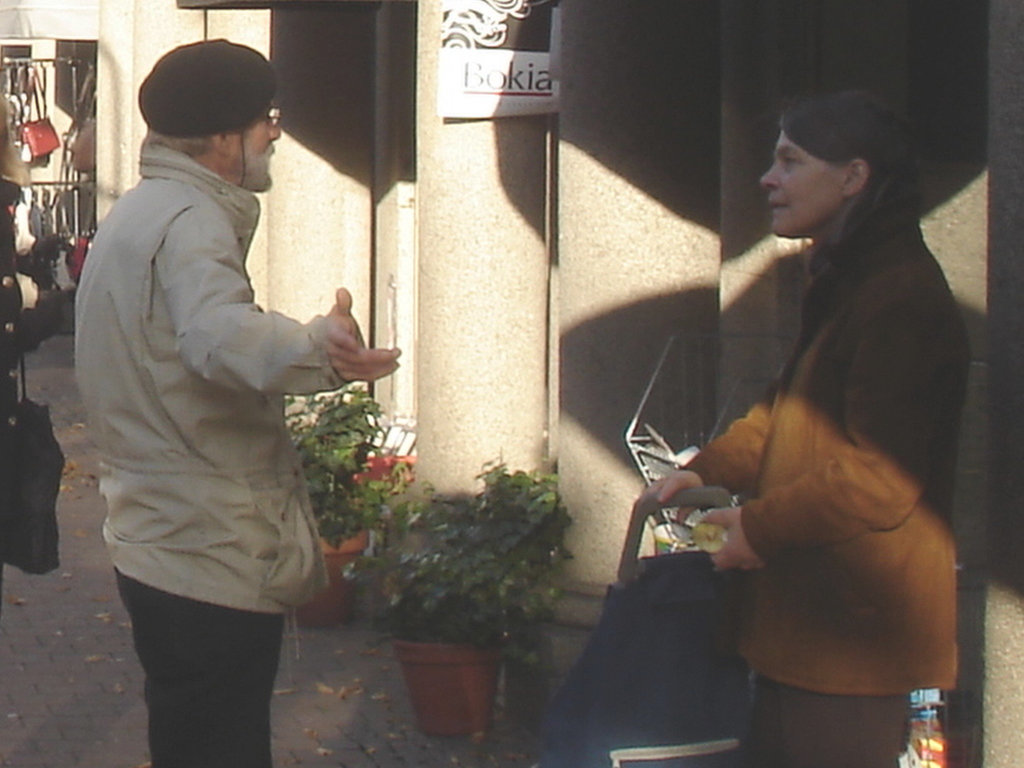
[{"x": 652, "y": 674}]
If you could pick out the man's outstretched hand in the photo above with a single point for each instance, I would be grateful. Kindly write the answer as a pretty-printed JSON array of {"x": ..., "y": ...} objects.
[{"x": 346, "y": 350}]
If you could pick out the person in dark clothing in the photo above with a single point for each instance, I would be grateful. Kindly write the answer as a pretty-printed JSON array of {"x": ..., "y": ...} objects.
[
  {"x": 843, "y": 549},
  {"x": 28, "y": 315}
]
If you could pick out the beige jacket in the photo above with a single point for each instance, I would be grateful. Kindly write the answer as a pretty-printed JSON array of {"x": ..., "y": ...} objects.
[{"x": 183, "y": 378}]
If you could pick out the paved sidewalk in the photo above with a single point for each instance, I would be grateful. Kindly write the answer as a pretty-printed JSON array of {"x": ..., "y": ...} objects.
[{"x": 71, "y": 687}]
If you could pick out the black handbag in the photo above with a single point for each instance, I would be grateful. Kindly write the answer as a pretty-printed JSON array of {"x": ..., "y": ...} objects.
[{"x": 31, "y": 540}]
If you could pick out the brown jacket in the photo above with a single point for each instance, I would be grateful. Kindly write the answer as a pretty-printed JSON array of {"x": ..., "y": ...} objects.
[{"x": 849, "y": 470}]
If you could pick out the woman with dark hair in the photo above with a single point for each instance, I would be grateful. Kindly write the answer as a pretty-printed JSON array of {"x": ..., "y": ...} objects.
[
  {"x": 27, "y": 316},
  {"x": 845, "y": 593}
]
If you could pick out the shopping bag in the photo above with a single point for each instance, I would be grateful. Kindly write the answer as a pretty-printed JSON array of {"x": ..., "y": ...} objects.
[
  {"x": 654, "y": 673},
  {"x": 31, "y": 535}
]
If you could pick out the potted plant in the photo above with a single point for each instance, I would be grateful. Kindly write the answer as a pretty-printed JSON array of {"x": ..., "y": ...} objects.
[
  {"x": 473, "y": 580},
  {"x": 336, "y": 434}
]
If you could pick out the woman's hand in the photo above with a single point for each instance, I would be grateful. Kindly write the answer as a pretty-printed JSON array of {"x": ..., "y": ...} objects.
[
  {"x": 668, "y": 486},
  {"x": 736, "y": 553}
]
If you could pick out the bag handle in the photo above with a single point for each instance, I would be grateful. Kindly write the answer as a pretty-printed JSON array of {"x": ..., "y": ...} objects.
[
  {"x": 703, "y": 497},
  {"x": 24, "y": 385},
  {"x": 38, "y": 83}
]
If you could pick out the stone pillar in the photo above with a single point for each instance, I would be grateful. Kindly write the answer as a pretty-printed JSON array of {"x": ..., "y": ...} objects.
[
  {"x": 638, "y": 249},
  {"x": 483, "y": 285},
  {"x": 1004, "y": 615}
]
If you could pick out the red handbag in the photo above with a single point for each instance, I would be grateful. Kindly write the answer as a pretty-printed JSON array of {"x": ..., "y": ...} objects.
[
  {"x": 38, "y": 136},
  {"x": 75, "y": 259}
]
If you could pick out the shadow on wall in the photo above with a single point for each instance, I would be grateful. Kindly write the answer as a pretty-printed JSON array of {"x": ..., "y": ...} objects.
[
  {"x": 707, "y": 377},
  {"x": 642, "y": 90},
  {"x": 605, "y": 362},
  {"x": 325, "y": 63},
  {"x": 640, "y": 94}
]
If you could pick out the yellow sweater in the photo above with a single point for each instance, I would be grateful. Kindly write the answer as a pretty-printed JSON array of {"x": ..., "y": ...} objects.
[{"x": 849, "y": 470}]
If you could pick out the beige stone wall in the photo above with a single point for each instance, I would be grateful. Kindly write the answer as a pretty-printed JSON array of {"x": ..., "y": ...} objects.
[
  {"x": 638, "y": 243},
  {"x": 319, "y": 215},
  {"x": 619, "y": 248}
]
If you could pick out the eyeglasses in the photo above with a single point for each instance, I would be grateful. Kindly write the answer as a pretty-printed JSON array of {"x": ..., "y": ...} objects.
[{"x": 274, "y": 116}]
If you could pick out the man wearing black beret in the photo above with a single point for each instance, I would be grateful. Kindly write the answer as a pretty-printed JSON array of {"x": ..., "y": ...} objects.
[{"x": 209, "y": 524}]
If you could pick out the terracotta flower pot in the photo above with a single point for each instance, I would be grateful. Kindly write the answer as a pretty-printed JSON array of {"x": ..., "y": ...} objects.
[
  {"x": 334, "y": 605},
  {"x": 451, "y": 687}
]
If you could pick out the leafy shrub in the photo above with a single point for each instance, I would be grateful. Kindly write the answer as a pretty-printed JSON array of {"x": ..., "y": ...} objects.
[
  {"x": 481, "y": 568},
  {"x": 335, "y": 434}
]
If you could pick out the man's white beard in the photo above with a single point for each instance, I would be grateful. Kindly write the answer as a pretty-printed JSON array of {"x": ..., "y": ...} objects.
[{"x": 256, "y": 171}]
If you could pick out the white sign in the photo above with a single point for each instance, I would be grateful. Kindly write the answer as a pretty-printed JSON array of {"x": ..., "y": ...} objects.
[{"x": 498, "y": 58}]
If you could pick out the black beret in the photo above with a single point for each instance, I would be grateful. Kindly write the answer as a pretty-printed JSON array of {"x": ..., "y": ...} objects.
[{"x": 204, "y": 88}]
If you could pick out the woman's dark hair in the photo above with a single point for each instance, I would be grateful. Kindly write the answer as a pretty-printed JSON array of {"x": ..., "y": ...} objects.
[{"x": 840, "y": 127}]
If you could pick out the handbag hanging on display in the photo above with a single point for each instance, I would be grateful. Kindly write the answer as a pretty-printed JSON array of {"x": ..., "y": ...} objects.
[
  {"x": 32, "y": 536},
  {"x": 38, "y": 136}
]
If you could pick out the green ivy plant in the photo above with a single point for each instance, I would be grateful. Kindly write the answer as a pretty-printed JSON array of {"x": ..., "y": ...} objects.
[
  {"x": 335, "y": 434},
  {"x": 483, "y": 567}
]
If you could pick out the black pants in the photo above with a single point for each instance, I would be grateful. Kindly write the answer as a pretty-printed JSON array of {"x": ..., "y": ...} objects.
[
  {"x": 209, "y": 678},
  {"x": 794, "y": 728}
]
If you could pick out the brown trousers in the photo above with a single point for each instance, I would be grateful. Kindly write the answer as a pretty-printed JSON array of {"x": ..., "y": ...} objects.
[{"x": 794, "y": 728}]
